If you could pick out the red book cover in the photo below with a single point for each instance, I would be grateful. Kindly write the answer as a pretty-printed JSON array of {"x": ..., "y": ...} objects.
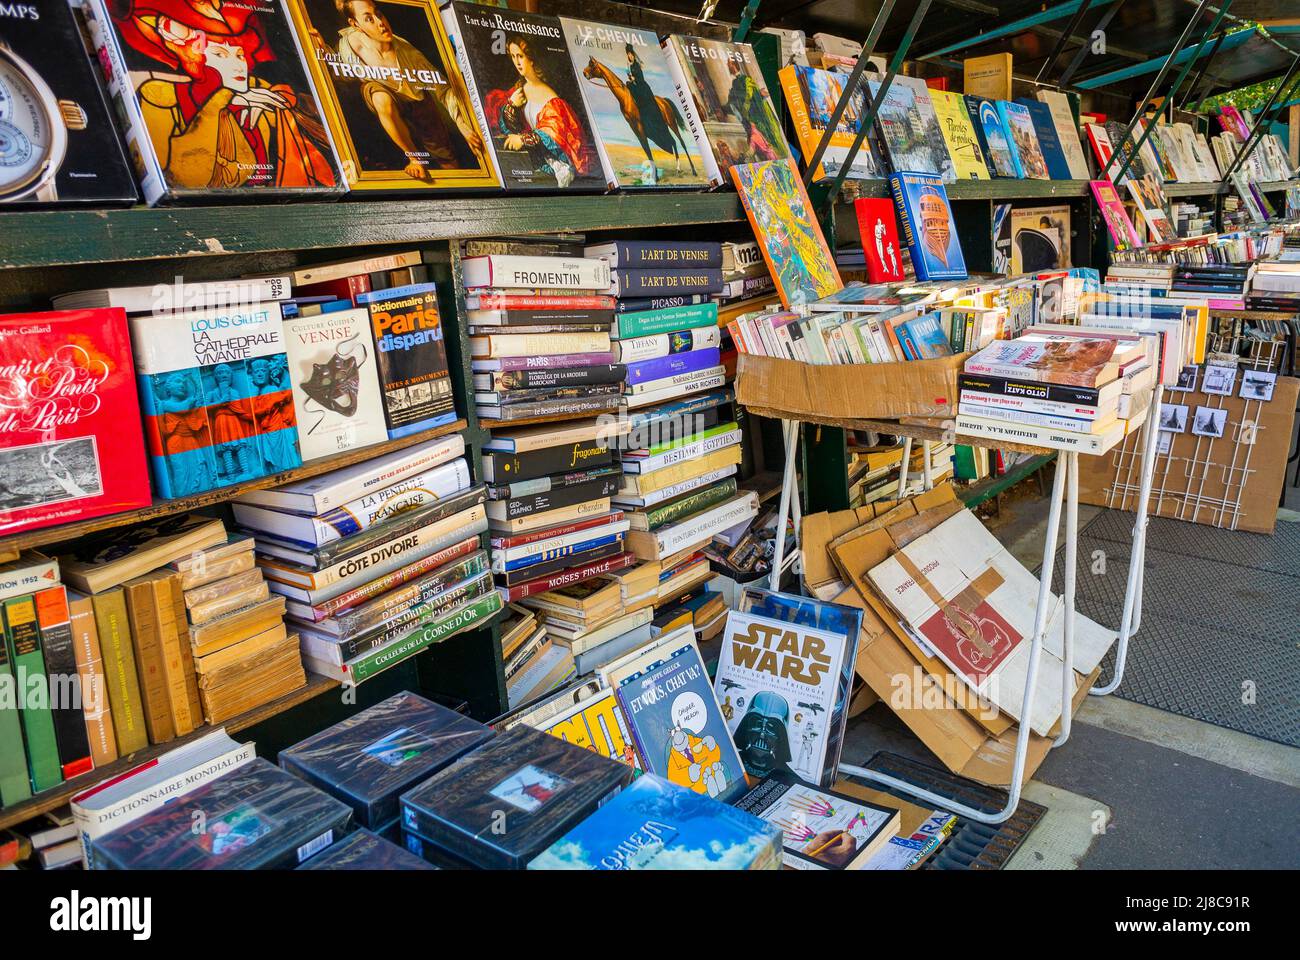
[
  {"x": 71, "y": 441},
  {"x": 879, "y": 232},
  {"x": 937, "y": 83}
]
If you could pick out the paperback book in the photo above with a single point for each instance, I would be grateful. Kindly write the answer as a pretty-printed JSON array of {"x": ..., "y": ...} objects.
[
  {"x": 928, "y": 226},
  {"x": 407, "y": 332},
  {"x": 811, "y": 95}
]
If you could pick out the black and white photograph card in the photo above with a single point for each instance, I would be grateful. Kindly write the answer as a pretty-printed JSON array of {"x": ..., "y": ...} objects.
[
  {"x": 1209, "y": 422},
  {"x": 1173, "y": 417},
  {"x": 1186, "y": 378},
  {"x": 1257, "y": 384},
  {"x": 1219, "y": 380}
]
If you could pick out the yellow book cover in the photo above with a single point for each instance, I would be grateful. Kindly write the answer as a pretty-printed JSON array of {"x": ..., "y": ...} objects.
[
  {"x": 988, "y": 77},
  {"x": 959, "y": 135}
]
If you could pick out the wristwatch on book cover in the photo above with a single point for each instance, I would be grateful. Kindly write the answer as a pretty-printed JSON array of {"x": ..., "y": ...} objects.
[{"x": 34, "y": 129}]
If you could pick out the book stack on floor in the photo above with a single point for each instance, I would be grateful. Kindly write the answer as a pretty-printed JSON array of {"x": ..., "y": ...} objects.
[
  {"x": 874, "y": 474},
  {"x": 378, "y": 560},
  {"x": 540, "y": 336}
]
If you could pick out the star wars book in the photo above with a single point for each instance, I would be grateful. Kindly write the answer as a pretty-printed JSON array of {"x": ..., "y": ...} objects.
[
  {"x": 59, "y": 142},
  {"x": 635, "y": 109},
  {"x": 364, "y": 850},
  {"x": 256, "y": 817},
  {"x": 69, "y": 388},
  {"x": 506, "y": 802},
  {"x": 372, "y": 757},
  {"x": 217, "y": 402},
  {"x": 393, "y": 95},
  {"x": 526, "y": 97},
  {"x": 213, "y": 101}
]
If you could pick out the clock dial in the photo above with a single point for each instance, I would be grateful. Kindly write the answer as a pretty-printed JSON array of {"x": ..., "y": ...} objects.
[{"x": 26, "y": 134}]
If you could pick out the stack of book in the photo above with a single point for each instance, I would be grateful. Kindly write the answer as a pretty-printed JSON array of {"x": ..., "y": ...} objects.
[
  {"x": 1221, "y": 286},
  {"x": 592, "y": 623},
  {"x": 744, "y": 272},
  {"x": 378, "y": 560},
  {"x": 1275, "y": 285},
  {"x": 540, "y": 336},
  {"x": 1153, "y": 278}
]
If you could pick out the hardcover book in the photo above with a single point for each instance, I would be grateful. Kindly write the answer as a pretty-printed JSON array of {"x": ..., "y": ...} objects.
[
  {"x": 997, "y": 146},
  {"x": 334, "y": 373},
  {"x": 811, "y": 95},
  {"x": 1022, "y": 141},
  {"x": 959, "y": 134},
  {"x": 640, "y": 124},
  {"x": 69, "y": 449},
  {"x": 522, "y": 85},
  {"x": 928, "y": 226},
  {"x": 59, "y": 142},
  {"x": 218, "y": 405},
  {"x": 929, "y": 130},
  {"x": 393, "y": 95},
  {"x": 1067, "y": 131},
  {"x": 1040, "y": 239},
  {"x": 901, "y": 128},
  {"x": 879, "y": 231},
  {"x": 213, "y": 103},
  {"x": 1049, "y": 143},
  {"x": 408, "y": 338},
  {"x": 26, "y": 656}
]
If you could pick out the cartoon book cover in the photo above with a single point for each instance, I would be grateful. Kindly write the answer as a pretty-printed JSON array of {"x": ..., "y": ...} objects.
[
  {"x": 901, "y": 129},
  {"x": 597, "y": 724},
  {"x": 959, "y": 134},
  {"x": 1122, "y": 232},
  {"x": 879, "y": 229},
  {"x": 215, "y": 393},
  {"x": 679, "y": 728},
  {"x": 212, "y": 99},
  {"x": 1040, "y": 238},
  {"x": 787, "y": 229},
  {"x": 933, "y": 134},
  {"x": 1022, "y": 141},
  {"x": 729, "y": 100},
  {"x": 657, "y": 825},
  {"x": 523, "y": 88},
  {"x": 928, "y": 226},
  {"x": 69, "y": 447},
  {"x": 392, "y": 93},
  {"x": 811, "y": 95},
  {"x": 640, "y": 124},
  {"x": 996, "y": 143},
  {"x": 778, "y": 682}
]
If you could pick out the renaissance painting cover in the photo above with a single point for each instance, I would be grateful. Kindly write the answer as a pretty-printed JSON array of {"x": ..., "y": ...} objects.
[
  {"x": 787, "y": 230},
  {"x": 212, "y": 99},
  {"x": 70, "y": 447},
  {"x": 526, "y": 96},
  {"x": 640, "y": 124},
  {"x": 395, "y": 100}
]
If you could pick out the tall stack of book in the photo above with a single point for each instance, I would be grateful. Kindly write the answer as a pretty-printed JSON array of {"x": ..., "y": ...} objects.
[
  {"x": 375, "y": 561},
  {"x": 1152, "y": 278},
  {"x": 1219, "y": 285},
  {"x": 540, "y": 336},
  {"x": 1275, "y": 285}
]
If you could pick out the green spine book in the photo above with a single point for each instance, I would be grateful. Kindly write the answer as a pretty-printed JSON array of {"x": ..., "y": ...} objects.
[
  {"x": 963, "y": 462},
  {"x": 691, "y": 503},
  {"x": 120, "y": 678},
  {"x": 24, "y": 638},
  {"x": 429, "y": 633},
  {"x": 667, "y": 320},
  {"x": 713, "y": 431},
  {"x": 14, "y": 783}
]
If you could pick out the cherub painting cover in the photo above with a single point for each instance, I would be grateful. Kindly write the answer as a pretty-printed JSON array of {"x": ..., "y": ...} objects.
[
  {"x": 526, "y": 96},
  {"x": 212, "y": 98},
  {"x": 787, "y": 230},
  {"x": 396, "y": 102}
]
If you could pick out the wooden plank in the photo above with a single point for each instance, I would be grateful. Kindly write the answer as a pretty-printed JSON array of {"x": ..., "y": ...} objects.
[
  {"x": 988, "y": 488},
  {"x": 164, "y": 508}
]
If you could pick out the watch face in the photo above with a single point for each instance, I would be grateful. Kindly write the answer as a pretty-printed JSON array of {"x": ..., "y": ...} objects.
[{"x": 26, "y": 129}]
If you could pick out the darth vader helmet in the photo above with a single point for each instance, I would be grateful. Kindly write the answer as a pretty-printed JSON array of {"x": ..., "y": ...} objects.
[{"x": 763, "y": 738}]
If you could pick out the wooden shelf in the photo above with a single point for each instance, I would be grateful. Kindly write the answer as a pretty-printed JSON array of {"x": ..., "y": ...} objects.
[
  {"x": 164, "y": 508},
  {"x": 58, "y": 796}
]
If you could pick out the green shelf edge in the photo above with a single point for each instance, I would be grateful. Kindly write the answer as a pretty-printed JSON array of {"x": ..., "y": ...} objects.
[{"x": 985, "y": 490}]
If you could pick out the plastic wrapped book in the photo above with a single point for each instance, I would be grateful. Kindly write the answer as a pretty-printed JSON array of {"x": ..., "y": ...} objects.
[{"x": 365, "y": 851}]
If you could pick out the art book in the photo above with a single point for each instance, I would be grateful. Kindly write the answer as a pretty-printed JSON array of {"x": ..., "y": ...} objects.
[
  {"x": 811, "y": 95},
  {"x": 634, "y": 105},
  {"x": 523, "y": 89},
  {"x": 959, "y": 134},
  {"x": 1049, "y": 143},
  {"x": 1040, "y": 238},
  {"x": 1067, "y": 132},
  {"x": 1022, "y": 141},
  {"x": 928, "y": 226},
  {"x": 1122, "y": 233},
  {"x": 786, "y": 228},
  {"x": 997, "y": 146},
  {"x": 731, "y": 113},
  {"x": 215, "y": 392},
  {"x": 901, "y": 129},
  {"x": 879, "y": 230},
  {"x": 212, "y": 102},
  {"x": 394, "y": 98},
  {"x": 929, "y": 128},
  {"x": 69, "y": 447}
]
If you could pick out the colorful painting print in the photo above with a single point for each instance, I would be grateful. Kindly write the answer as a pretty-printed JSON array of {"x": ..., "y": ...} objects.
[
  {"x": 1025, "y": 151},
  {"x": 995, "y": 135},
  {"x": 787, "y": 230},
  {"x": 903, "y": 131}
]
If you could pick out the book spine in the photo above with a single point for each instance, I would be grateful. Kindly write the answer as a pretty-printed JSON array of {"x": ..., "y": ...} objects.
[
  {"x": 560, "y": 318},
  {"x": 15, "y": 781},
  {"x": 525, "y": 488},
  {"x": 568, "y": 577},
  {"x": 551, "y": 499},
  {"x": 440, "y": 629},
  {"x": 382, "y": 610},
  {"x": 685, "y": 452},
  {"x": 1033, "y": 418},
  {"x": 148, "y": 661},
  {"x": 413, "y": 617},
  {"x": 24, "y": 637},
  {"x": 678, "y": 537},
  {"x": 658, "y": 368},
  {"x": 646, "y": 283},
  {"x": 1031, "y": 405},
  {"x": 556, "y": 546},
  {"x": 36, "y": 573},
  {"x": 648, "y": 255},
  {"x": 670, "y": 513},
  {"x": 544, "y": 408},
  {"x": 562, "y": 377},
  {"x": 666, "y": 320},
  {"x": 536, "y": 536},
  {"x": 112, "y": 623},
  {"x": 66, "y": 698},
  {"x": 625, "y": 305},
  {"x": 539, "y": 302},
  {"x": 674, "y": 490},
  {"x": 643, "y": 483},
  {"x": 381, "y": 585},
  {"x": 707, "y": 380},
  {"x": 639, "y": 349},
  {"x": 496, "y": 345},
  {"x": 1020, "y": 387},
  {"x": 191, "y": 676},
  {"x": 402, "y": 525},
  {"x": 1021, "y": 433},
  {"x": 521, "y": 565},
  {"x": 504, "y": 271},
  {"x": 169, "y": 641},
  {"x": 509, "y": 467}
]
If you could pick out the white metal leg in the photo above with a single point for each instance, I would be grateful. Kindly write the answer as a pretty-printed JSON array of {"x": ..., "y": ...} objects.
[
  {"x": 927, "y": 476},
  {"x": 790, "y": 432},
  {"x": 902, "y": 468},
  {"x": 1071, "y": 466}
]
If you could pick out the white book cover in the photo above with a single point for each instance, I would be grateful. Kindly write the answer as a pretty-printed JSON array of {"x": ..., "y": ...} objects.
[
  {"x": 627, "y": 497},
  {"x": 32, "y": 571},
  {"x": 335, "y": 378},
  {"x": 687, "y": 451},
  {"x": 686, "y": 98},
  {"x": 701, "y": 526},
  {"x": 656, "y": 345},
  {"x": 671, "y": 393},
  {"x": 529, "y": 273},
  {"x": 179, "y": 295}
]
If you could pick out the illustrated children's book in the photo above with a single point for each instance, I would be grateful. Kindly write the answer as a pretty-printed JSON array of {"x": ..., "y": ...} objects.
[
  {"x": 215, "y": 392},
  {"x": 640, "y": 124},
  {"x": 787, "y": 230},
  {"x": 879, "y": 230},
  {"x": 811, "y": 95},
  {"x": 393, "y": 96},
  {"x": 928, "y": 226}
]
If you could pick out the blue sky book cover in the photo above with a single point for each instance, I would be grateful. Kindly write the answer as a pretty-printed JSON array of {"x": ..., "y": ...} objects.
[{"x": 929, "y": 229}]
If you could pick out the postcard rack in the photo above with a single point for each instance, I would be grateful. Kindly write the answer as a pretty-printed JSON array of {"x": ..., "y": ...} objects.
[{"x": 1065, "y": 493}]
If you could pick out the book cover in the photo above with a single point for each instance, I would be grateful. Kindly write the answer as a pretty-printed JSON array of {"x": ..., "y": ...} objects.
[
  {"x": 901, "y": 127},
  {"x": 639, "y": 122},
  {"x": 69, "y": 388},
  {"x": 217, "y": 403},
  {"x": 524, "y": 90},
  {"x": 393, "y": 95},
  {"x": 596, "y": 724},
  {"x": 996, "y": 142},
  {"x": 879, "y": 231},
  {"x": 1067, "y": 132},
  {"x": 1122, "y": 233},
  {"x": 929, "y": 129},
  {"x": 1040, "y": 239},
  {"x": 1079, "y": 362},
  {"x": 656, "y": 281},
  {"x": 213, "y": 103},
  {"x": 1022, "y": 141},
  {"x": 27, "y": 660},
  {"x": 959, "y": 134},
  {"x": 407, "y": 333},
  {"x": 1049, "y": 143},
  {"x": 811, "y": 95},
  {"x": 1001, "y": 236},
  {"x": 988, "y": 76},
  {"x": 657, "y": 825},
  {"x": 787, "y": 228},
  {"x": 67, "y": 707},
  {"x": 334, "y": 374},
  {"x": 60, "y": 146},
  {"x": 928, "y": 226},
  {"x": 728, "y": 98}
]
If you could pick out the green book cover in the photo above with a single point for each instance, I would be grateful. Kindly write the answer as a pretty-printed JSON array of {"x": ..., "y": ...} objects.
[
  {"x": 667, "y": 320},
  {"x": 443, "y": 627},
  {"x": 963, "y": 462},
  {"x": 690, "y": 503},
  {"x": 14, "y": 784},
  {"x": 24, "y": 638},
  {"x": 713, "y": 431}
]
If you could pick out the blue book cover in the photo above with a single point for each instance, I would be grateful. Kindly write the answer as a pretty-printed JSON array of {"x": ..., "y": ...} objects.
[
  {"x": 1022, "y": 141},
  {"x": 644, "y": 371},
  {"x": 993, "y": 137},
  {"x": 555, "y": 553},
  {"x": 929, "y": 229},
  {"x": 679, "y": 728},
  {"x": 1049, "y": 143},
  {"x": 649, "y": 283},
  {"x": 674, "y": 409},
  {"x": 657, "y": 825},
  {"x": 926, "y": 338},
  {"x": 642, "y": 304}
]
